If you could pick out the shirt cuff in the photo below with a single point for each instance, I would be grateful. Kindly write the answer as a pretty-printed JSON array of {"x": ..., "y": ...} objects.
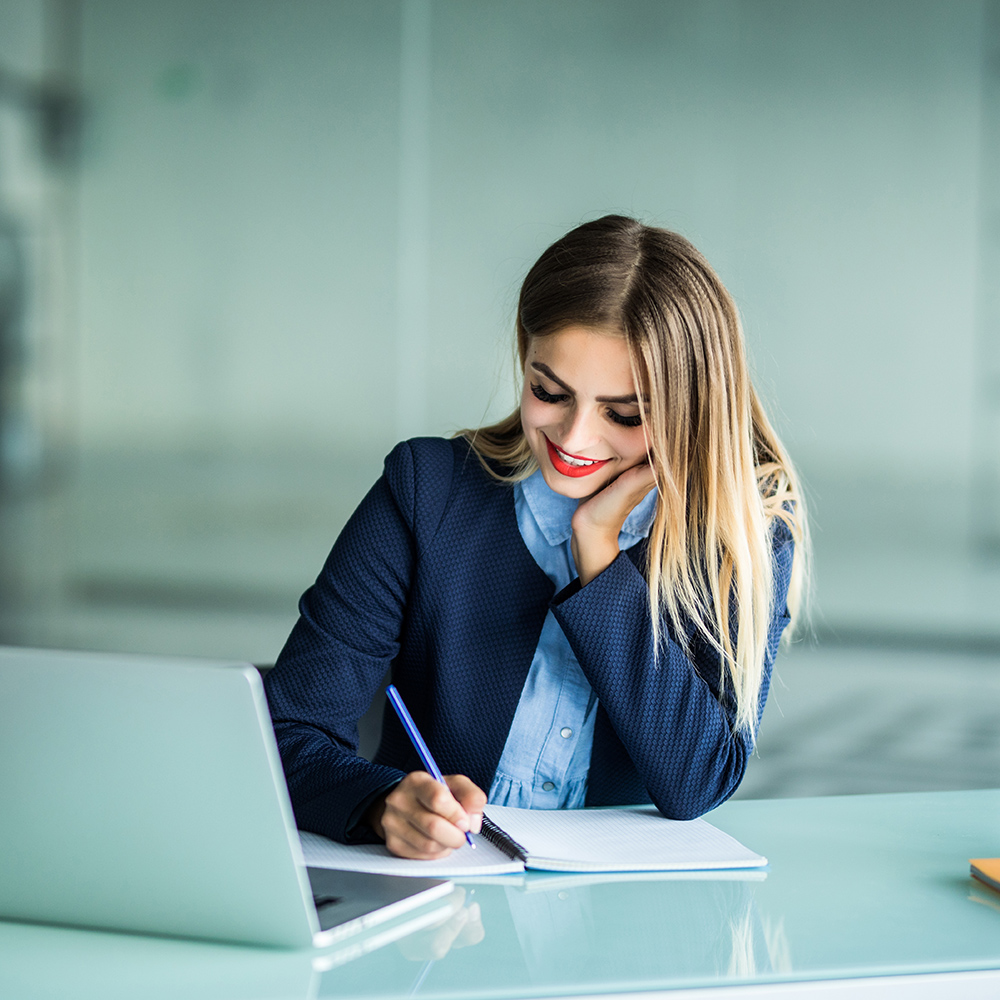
[
  {"x": 567, "y": 592},
  {"x": 356, "y": 830}
]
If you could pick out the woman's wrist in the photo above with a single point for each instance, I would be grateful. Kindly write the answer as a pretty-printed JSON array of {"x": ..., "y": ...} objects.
[
  {"x": 593, "y": 556},
  {"x": 372, "y": 816}
]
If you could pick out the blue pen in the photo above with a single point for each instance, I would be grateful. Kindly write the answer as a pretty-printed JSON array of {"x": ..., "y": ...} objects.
[{"x": 430, "y": 764}]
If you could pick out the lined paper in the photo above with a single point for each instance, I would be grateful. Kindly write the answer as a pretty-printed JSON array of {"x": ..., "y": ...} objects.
[
  {"x": 629, "y": 839},
  {"x": 486, "y": 859},
  {"x": 635, "y": 838}
]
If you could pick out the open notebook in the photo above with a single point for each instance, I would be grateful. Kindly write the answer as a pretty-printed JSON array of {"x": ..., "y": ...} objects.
[{"x": 630, "y": 839}]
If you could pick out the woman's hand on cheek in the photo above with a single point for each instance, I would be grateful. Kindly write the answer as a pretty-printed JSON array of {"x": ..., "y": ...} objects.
[
  {"x": 599, "y": 519},
  {"x": 421, "y": 818}
]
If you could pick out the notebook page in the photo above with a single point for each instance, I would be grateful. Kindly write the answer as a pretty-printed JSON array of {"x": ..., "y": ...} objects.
[
  {"x": 320, "y": 852},
  {"x": 635, "y": 838}
]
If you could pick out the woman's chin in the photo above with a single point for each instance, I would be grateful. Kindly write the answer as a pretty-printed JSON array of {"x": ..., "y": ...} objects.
[{"x": 574, "y": 487}]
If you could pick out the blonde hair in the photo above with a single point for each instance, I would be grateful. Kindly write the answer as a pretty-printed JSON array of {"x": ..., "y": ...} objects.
[{"x": 723, "y": 476}]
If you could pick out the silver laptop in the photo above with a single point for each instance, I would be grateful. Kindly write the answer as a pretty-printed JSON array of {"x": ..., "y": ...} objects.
[{"x": 146, "y": 794}]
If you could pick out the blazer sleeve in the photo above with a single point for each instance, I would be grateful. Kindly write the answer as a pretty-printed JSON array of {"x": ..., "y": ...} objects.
[
  {"x": 668, "y": 714},
  {"x": 346, "y": 637}
]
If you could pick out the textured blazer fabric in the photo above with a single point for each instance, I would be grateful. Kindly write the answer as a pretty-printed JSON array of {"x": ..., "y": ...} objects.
[{"x": 431, "y": 577}]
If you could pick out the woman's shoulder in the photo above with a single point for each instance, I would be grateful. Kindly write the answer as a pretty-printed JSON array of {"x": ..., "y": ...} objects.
[
  {"x": 426, "y": 461},
  {"x": 425, "y": 473},
  {"x": 419, "y": 466},
  {"x": 419, "y": 451}
]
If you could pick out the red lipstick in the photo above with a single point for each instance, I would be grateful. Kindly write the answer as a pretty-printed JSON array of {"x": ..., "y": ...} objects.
[{"x": 574, "y": 471}]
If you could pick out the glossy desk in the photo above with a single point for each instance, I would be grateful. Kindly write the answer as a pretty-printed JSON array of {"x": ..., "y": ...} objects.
[{"x": 860, "y": 886}]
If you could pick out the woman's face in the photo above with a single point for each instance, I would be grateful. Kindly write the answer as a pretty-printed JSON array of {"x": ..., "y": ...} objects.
[{"x": 579, "y": 409}]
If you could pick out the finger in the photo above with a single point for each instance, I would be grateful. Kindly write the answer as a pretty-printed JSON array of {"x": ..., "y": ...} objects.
[
  {"x": 638, "y": 480},
  {"x": 412, "y": 830},
  {"x": 605, "y": 512},
  {"x": 426, "y": 832},
  {"x": 407, "y": 841},
  {"x": 470, "y": 797},
  {"x": 419, "y": 946},
  {"x": 437, "y": 798},
  {"x": 620, "y": 496},
  {"x": 473, "y": 932},
  {"x": 444, "y": 936}
]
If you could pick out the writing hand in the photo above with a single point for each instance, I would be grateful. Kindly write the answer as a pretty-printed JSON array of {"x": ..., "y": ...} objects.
[
  {"x": 598, "y": 521},
  {"x": 422, "y": 819}
]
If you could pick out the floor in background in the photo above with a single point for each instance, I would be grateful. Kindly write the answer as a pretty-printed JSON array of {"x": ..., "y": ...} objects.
[{"x": 843, "y": 720}]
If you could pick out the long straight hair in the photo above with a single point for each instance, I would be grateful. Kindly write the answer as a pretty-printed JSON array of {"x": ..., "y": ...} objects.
[{"x": 722, "y": 475}]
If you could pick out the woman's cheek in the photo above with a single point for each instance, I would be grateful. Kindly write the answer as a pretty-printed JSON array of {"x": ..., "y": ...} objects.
[
  {"x": 621, "y": 446},
  {"x": 533, "y": 415},
  {"x": 528, "y": 405}
]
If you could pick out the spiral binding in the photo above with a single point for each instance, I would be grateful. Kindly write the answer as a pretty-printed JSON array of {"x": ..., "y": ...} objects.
[{"x": 502, "y": 840}]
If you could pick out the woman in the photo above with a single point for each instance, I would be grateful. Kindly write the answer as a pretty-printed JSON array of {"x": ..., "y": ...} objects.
[{"x": 580, "y": 604}]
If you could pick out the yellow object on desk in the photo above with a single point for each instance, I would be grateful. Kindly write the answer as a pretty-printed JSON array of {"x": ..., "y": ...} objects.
[{"x": 986, "y": 870}]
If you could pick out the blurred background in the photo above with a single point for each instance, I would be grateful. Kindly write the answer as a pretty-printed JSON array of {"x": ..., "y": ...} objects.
[{"x": 246, "y": 246}]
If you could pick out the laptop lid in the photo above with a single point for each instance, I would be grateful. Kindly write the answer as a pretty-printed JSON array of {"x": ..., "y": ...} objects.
[{"x": 146, "y": 794}]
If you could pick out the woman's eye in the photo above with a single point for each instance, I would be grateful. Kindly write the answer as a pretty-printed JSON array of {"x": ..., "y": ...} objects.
[
  {"x": 633, "y": 421},
  {"x": 547, "y": 397}
]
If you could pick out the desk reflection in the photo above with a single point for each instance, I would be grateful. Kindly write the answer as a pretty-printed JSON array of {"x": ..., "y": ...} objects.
[
  {"x": 559, "y": 933},
  {"x": 543, "y": 933},
  {"x": 463, "y": 928},
  {"x": 640, "y": 930}
]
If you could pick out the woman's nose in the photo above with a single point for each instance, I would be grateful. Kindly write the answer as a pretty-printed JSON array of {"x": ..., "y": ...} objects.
[{"x": 580, "y": 431}]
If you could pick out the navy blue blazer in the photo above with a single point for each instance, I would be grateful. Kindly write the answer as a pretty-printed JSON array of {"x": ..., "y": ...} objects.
[{"x": 432, "y": 577}]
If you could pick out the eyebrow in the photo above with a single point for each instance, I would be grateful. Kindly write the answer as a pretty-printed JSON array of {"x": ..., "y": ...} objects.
[{"x": 545, "y": 370}]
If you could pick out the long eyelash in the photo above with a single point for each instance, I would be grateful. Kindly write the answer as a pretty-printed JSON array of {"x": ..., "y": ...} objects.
[
  {"x": 625, "y": 421},
  {"x": 551, "y": 397},
  {"x": 546, "y": 397}
]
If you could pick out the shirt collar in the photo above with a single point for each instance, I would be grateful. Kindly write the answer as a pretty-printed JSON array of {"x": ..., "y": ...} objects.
[{"x": 553, "y": 513}]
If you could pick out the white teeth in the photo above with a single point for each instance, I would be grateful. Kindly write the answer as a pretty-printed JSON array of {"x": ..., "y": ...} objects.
[{"x": 569, "y": 460}]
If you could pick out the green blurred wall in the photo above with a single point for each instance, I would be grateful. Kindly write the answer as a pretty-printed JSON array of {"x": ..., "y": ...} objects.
[{"x": 248, "y": 207}]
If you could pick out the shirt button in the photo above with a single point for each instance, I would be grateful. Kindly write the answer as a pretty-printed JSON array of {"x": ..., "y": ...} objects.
[
  {"x": 548, "y": 786},
  {"x": 565, "y": 732}
]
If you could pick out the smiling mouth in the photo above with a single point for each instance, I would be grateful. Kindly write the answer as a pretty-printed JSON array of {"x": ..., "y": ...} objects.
[{"x": 572, "y": 465}]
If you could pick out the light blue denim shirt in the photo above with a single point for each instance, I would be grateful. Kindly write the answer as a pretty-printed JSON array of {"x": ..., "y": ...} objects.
[{"x": 547, "y": 754}]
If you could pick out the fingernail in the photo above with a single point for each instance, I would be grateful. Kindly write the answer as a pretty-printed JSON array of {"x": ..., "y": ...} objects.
[
  {"x": 463, "y": 824},
  {"x": 477, "y": 822}
]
